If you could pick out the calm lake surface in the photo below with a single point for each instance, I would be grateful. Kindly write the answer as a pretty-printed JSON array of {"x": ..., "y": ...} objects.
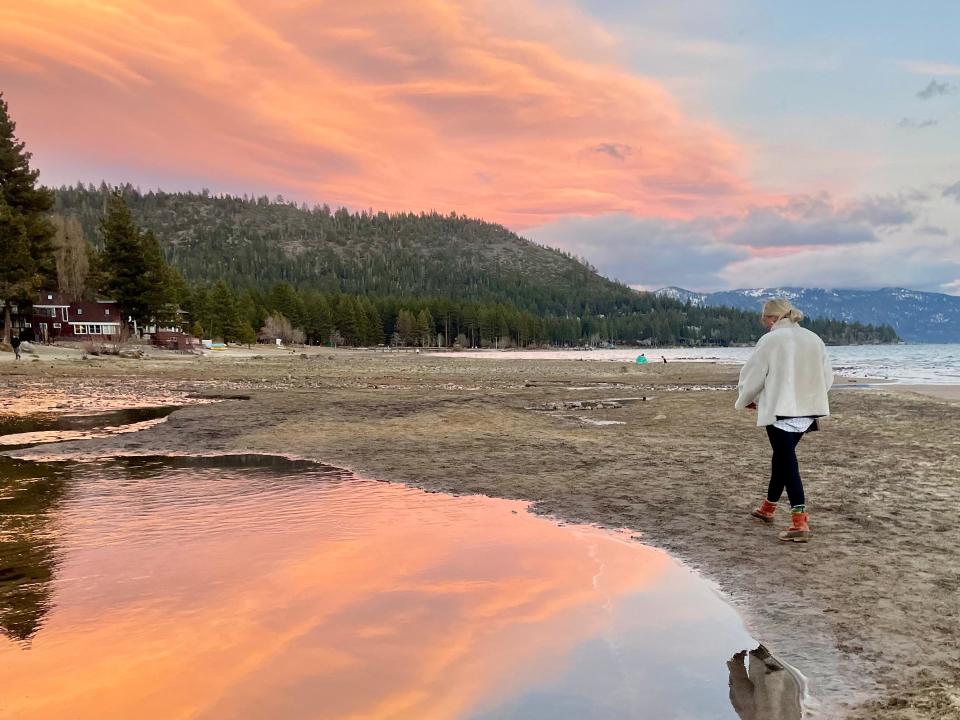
[
  {"x": 250, "y": 587},
  {"x": 920, "y": 364}
]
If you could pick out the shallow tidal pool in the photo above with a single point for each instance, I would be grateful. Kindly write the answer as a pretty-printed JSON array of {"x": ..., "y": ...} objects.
[{"x": 250, "y": 587}]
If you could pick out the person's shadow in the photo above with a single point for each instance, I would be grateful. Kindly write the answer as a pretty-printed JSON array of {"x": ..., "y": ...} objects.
[{"x": 761, "y": 688}]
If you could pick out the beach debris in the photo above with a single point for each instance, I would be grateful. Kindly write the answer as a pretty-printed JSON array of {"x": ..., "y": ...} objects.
[
  {"x": 660, "y": 417},
  {"x": 599, "y": 423},
  {"x": 555, "y": 405},
  {"x": 582, "y": 382}
]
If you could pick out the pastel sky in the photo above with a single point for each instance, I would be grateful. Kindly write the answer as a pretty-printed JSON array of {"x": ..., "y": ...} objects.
[{"x": 707, "y": 143}]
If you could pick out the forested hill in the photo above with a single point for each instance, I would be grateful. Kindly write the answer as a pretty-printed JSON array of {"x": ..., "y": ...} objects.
[
  {"x": 258, "y": 242},
  {"x": 487, "y": 282}
]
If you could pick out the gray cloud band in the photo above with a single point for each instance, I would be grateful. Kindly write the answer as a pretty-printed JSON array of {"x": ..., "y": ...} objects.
[{"x": 871, "y": 242}]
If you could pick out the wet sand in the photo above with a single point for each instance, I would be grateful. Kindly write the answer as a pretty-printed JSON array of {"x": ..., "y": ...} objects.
[
  {"x": 869, "y": 610},
  {"x": 940, "y": 392}
]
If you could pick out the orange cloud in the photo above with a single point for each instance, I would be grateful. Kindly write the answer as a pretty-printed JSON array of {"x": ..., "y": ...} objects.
[
  {"x": 377, "y": 601},
  {"x": 518, "y": 115}
]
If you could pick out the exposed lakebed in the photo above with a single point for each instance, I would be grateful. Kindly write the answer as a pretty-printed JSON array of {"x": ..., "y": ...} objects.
[
  {"x": 21, "y": 431},
  {"x": 257, "y": 586}
]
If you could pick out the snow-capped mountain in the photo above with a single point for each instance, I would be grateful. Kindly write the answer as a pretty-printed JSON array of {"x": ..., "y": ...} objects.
[
  {"x": 916, "y": 316},
  {"x": 684, "y": 296}
]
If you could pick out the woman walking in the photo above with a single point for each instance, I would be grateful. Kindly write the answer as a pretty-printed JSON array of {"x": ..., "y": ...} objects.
[{"x": 786, "y": 381}]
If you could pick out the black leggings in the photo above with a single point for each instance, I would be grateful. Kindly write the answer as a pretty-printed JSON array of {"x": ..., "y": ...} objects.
[{"x": 785, "y": 472}]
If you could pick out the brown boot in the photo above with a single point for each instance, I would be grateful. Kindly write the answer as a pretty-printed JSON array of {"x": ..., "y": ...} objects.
[
  {"x": 799, "y": 530},
  {"x": 765, "y": 511}
]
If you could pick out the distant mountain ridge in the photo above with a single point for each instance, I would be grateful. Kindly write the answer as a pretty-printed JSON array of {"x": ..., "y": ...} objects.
[{"x": 922, "y": 317}]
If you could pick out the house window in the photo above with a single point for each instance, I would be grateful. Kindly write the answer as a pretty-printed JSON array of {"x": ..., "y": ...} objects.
[
  {"x": 49, "y": 297},
  {"x": 107, "y": 311},
  {"x": 95, "y": 329},
  {"x": 56, "y": 326},
  {"x": 79, "y": 311},
  {"x": 47, "y": 312},
  {"x": 63, "y": 311},
  {"x": 80, "y": 329}
]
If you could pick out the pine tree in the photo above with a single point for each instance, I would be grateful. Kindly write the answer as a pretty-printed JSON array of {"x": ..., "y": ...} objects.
[
  {"x": 225, "y": 315},
  {"x": 96, "y": 272},
  {"x": 363, "y": 322},
  {"x": 252, "y": 308},
  {"x": 124, "y": 260},
  {"x": 346, "y": 320},
  {"x": 24, "y": 226},
  {"x": 160, "y": 295},
  {"x": 425, "y": 328},
  {"x": 406, "y": 327},
  {"x": 374, "y": 323},
  {"x": 283, "y": 299},
  {"x": 17, "y": 266},
  {"x": 247, "y": 335},
  {"x": 197, "y": 306},
  {"x": 324, "y": 322}
]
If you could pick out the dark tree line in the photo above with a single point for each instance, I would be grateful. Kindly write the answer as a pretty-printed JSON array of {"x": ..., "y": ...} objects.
[{"x": 338, "y": 318}]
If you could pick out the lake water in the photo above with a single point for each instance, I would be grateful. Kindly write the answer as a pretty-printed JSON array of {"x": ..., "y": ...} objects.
[
  {"x": 914, "y": 364},
  {"x": 251, "y": 587}
]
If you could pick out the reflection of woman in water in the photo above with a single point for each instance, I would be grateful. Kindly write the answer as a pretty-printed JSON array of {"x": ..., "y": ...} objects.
[
  {"x": 786, "y": 381},
  {"x": 764, "y": 689}
]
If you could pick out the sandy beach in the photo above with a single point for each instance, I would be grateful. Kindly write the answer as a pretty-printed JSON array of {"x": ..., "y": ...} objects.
[
  {"x": 940, "y": 392},
  {"x": 868, "y": 610}
]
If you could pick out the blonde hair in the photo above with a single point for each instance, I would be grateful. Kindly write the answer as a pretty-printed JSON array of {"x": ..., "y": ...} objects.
[{"x": 781, "y": 308}]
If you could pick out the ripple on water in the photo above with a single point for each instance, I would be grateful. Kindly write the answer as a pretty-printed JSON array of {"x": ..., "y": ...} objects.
[{"x": 247, "y": 587}]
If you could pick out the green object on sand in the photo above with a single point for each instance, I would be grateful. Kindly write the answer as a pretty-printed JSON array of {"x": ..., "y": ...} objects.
[{"x": 641, "y": 359}]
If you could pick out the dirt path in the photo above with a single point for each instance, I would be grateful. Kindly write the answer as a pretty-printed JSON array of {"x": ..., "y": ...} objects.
[{"x": 869, "y": 610}]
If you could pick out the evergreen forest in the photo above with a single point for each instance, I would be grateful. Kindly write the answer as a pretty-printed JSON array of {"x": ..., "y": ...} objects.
[{"x": 336, "y": 277}]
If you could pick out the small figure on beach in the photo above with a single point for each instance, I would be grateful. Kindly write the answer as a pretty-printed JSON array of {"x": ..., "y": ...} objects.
[
  {"x": 664, "y": 359},
  {"x": 15, "y": 343},
  {"x": 786, "y": 381},
  {"x": 641, "y": 359}
]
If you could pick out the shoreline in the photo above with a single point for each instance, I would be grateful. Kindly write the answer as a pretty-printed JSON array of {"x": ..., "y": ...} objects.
[
  {"x": 682, "y": 472},
  {"x": 949, "y": 393}
]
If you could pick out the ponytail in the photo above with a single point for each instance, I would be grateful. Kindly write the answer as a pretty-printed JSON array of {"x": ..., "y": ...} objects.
[{"x": 781, "y": 308}]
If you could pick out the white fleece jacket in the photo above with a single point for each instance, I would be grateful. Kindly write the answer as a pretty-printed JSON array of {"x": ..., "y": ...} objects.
[{"x": 788, "y": 375}]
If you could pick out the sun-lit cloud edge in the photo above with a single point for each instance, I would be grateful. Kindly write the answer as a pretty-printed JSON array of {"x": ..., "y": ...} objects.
[{"x": 409, "y": 105}]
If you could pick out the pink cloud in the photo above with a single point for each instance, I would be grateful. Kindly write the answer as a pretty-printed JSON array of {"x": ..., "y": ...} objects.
[{"x": 399, "y": 105}]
